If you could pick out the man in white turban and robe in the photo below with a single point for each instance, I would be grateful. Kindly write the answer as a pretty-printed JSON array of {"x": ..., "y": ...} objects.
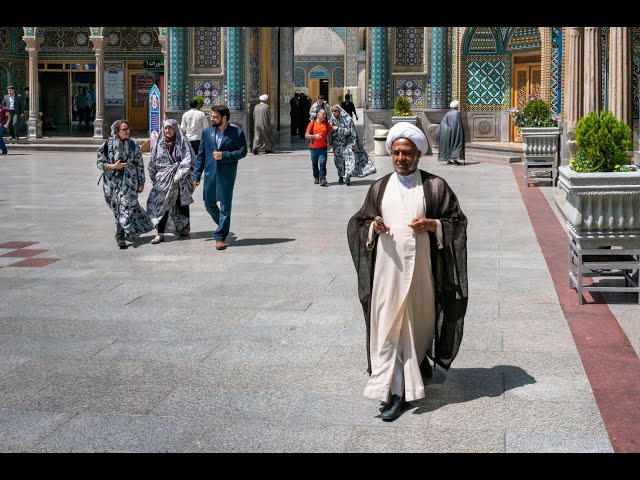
[
  {"x": 451, "y": 136},
  {"x": 262, "y": 129},
  {"x": 409, "y": 246}
]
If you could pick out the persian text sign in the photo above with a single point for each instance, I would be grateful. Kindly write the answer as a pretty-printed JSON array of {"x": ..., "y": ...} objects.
[{"x": 154, "y": 114}]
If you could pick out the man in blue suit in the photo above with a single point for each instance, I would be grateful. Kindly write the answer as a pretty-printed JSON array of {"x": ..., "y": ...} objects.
[{"x": 221, "y": 147}]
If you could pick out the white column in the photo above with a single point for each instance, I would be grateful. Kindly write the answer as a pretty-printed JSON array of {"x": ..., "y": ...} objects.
[
  {"x": 34, "y": 123},
  {"x": 620, "y": 73},
  {"x": 592, "y": 66},
  {"x": 98, "y": 122},
  {"x": 573, "y": 105}
]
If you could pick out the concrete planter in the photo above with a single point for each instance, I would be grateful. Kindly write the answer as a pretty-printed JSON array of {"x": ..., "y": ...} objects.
[
  {"x": 540, "y": 142},
  {"x": 540, "y": 152},
  {"x": 410, "y": 119},
  {"x": 602, "y": 206}
]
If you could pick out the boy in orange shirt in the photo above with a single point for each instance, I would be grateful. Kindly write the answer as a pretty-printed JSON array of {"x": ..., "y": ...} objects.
[{"x": 317, "y": 132}]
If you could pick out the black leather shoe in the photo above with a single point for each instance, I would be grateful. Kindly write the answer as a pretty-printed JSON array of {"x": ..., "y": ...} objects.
[
  {"x": 347, "y": 181},
  {"x": 393, "y": 409},
  {"x": 269, "y": 151},
  {"x": 340, "y": 180},
  {"x": 316, "y": 181},
  {"x": 121, "y": 243},
  {"x": 256, "y": 152}
]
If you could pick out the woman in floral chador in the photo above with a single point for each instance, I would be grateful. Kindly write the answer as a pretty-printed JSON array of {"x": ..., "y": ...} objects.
[
  {"x": 120, "y": 160},
  {"x": 348, "y": 154},
  {"x": 170, "y": 170}
]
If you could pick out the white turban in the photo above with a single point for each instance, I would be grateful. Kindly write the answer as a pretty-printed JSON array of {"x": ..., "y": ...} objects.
[
  {"x": 410, "y": 131},
  {"x": 454, "y": 104},
  {"x": 264, "y": 98}
]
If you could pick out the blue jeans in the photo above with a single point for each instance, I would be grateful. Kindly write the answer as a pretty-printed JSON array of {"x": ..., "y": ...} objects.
[
  {"x": 3, "y": 147},
  {"x": 222, "y": 217},
  {"x": 319, "y": 162}
]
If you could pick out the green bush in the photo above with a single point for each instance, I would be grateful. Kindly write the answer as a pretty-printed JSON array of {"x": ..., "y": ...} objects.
[
  {"x": 403, "y": 107},
  {"x": 340, "y": 98},
  {"x": 603, "y": 142},
  {"x": 200, "y": 100},
  {"x": 536, "y": 113}
]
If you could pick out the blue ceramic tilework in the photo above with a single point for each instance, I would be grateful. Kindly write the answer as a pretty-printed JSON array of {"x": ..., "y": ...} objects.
[
  {"x": 412, "y": 89},
  {"x": 206, "y": 45},
  {"x": 486, "y": 82},
  {"x": 409, "y": 46},
  {"x": 524, "y": 38},
  {"x": 209, "y": 89}
]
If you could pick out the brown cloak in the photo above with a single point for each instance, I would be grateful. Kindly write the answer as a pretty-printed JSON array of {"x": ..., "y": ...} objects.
[{"x": 449, "y": 264}]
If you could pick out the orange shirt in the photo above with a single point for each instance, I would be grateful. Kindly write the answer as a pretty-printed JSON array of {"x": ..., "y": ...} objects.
[{"x": 323, "y": 129}]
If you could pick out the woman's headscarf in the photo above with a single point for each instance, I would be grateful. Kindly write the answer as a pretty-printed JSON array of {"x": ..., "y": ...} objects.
[
  {"x": 344, "y": 119},
  {"x": 121, "y": 149}
]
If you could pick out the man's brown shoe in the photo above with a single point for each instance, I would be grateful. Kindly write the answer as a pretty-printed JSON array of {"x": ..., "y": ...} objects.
[{"x": 220, "y": 245}]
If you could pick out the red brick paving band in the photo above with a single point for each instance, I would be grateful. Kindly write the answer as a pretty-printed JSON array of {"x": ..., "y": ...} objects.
[{"x": 610, "y": 361}]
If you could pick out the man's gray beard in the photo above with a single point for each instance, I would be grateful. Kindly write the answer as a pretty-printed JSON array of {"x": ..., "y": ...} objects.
[{"x": 415, "y": 167}]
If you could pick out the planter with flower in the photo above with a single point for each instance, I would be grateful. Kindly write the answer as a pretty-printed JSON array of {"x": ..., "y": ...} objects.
[
  {"x": 403, "y": 112},
  {"x": 538, "y": 126},
  {"x": 602, "y": 186}
]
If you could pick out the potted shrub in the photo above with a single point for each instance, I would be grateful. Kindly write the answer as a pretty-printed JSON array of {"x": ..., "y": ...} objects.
[
  {"x": 602, "y": 186},
  {"x": 402, "y": 112},
  {"x": 539, "y": 130}
]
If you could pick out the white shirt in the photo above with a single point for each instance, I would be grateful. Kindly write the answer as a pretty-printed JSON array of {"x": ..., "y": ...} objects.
[{"x": 193, "y": 122}]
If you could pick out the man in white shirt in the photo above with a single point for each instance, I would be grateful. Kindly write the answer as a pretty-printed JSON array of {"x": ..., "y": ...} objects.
[{"x": 193, "y": 122}]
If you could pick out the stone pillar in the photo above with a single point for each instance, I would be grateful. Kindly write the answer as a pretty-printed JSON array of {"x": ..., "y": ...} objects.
[
  {"x": 165, "y": 53},
  {"x": 34, "y": 123},
  {"x": 351, "y": 58},
  {"x": 98, "y": 122},
  {"x": 439, "y": 84},
  {"x": 234, "y": 88},
  {"x": 620, "y": 73},
  {"x": 177, "y": 92},
  {"x": 592, "y": 75},
  {"x": 379, "y": 91},
  {"x": 575, "y": 79}
]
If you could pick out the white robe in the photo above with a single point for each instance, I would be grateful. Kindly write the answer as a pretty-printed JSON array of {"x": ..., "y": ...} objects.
[{"x": 403, "y": 301}]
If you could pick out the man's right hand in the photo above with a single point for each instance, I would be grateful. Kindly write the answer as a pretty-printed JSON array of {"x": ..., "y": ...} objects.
[{"x": 196, "y": 183}]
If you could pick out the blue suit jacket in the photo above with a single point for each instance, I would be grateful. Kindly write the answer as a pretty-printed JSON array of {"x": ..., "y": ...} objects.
[{"x": 219, "y": 175}]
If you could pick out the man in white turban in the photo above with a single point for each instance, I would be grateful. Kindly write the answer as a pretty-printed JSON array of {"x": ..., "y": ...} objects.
[
  {"x": 262, "y": 129},
  {"x": 451, "y": 136},
  {"x": 409, "y": 246}
]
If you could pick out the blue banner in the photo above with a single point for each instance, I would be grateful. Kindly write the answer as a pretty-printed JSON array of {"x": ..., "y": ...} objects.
[{"x": 154, "y": 115}]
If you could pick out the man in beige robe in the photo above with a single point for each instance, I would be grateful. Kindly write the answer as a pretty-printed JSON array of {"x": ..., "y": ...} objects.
[{"x": 408, "y": 242}]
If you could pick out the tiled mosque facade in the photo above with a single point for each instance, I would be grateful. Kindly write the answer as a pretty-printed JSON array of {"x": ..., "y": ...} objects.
[{"x": 489, "y": 69}]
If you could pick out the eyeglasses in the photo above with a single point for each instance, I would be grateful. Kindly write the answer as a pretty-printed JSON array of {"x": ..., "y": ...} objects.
[
  {"x": 124, "y": 129},
  {"x": 335, "y": 111}
]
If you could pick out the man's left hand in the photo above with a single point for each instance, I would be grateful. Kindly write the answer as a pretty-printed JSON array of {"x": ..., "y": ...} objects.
[
  {"x": 422, "y": 224},
  {"x": 141, "y": 188}
]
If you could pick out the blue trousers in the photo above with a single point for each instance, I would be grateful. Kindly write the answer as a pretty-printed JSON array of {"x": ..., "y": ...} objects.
[
  {"x": 3, "y": 147},
  {"x": 319, "y": 162},
  {"x": 222, "y": 217}
]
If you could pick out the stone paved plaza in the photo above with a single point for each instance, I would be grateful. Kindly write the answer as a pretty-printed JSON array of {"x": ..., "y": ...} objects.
[{"x": 178, "y": 347}]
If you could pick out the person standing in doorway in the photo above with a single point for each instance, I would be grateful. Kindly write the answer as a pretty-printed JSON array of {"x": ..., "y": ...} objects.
[
  {"x": 262, "y": 129},
  {"x": 317, "y": 133},
  {"x": 451, "y": 136},
  {"x": 194, "y": 121},
  {"x": 293, "y": 113},
  {"x": 14, "y": 104},
  {"x": 222, "y": 146},
  {"x": 408, "y": 242},
  {"x": 304, "y": 104}
]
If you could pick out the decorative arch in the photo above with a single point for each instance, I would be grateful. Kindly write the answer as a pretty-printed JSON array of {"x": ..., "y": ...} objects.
[
  {"x": 481, "y": 40},
  {"x": 523, "y": 38},
  {"x": 318, "y": 72}
]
